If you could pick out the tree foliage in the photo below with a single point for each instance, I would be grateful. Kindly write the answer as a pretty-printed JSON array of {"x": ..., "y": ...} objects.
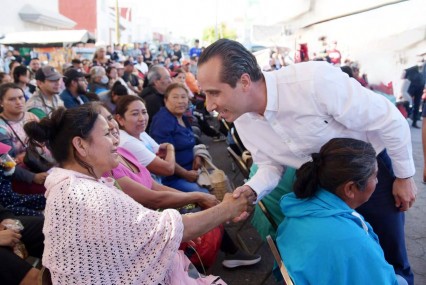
[{"x": 223, "y": 31}]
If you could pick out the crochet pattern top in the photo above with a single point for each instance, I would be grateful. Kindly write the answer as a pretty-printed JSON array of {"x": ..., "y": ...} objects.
[{"x": 96, "y": 234}]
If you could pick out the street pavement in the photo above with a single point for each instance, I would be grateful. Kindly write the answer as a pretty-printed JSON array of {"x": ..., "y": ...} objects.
[{"x": 255, "y": 274}]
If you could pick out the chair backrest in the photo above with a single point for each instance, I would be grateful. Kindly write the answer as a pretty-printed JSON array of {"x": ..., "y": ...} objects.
[
  {"x": 226, "y": 124},
  {"x": 236, "y": 139},
  {"x": 240, "y": 163},
  {"x": 278, "y": 259},
  {"x": 44, "y": 278}
]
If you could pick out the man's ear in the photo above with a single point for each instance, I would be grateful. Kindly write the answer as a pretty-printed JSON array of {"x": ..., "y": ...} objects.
[
  {"x": 245, "y": 81},
  {"x": 80, "y": 146}
]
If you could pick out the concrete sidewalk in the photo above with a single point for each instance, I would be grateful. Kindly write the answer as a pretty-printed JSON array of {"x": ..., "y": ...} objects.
[{"x": 253, "y": 275}]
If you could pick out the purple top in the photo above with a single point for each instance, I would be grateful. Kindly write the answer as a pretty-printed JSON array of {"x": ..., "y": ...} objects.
[{"x": 142, "y": 177}]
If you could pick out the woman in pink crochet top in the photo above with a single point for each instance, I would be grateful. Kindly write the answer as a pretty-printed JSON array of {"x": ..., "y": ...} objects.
[{"x": 95, "y": 233}]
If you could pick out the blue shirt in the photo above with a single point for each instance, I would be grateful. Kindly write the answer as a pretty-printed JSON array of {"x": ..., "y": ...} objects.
[
  {"x": 166, "y": 129},
  {"x": 70, "y": 101},
  {"x": 194, "y": 51}
]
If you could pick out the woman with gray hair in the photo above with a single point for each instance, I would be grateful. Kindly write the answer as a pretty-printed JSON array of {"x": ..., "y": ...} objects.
[{"x": 98, "y": 80}]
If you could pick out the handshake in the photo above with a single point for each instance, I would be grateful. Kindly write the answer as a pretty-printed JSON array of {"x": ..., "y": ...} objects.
[{"x": 241, "y": 203}]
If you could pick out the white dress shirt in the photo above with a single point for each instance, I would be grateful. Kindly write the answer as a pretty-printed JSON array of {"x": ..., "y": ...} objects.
[{"x": 307, "y": 105}]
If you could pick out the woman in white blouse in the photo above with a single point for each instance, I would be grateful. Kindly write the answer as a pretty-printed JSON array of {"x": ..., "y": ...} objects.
[{"x": 95, "y": 233}]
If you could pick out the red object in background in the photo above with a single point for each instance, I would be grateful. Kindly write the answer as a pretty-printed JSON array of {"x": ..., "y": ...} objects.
[
  {"x": 302, "y": 54},
  {"x": 207, "y": 249},
  {"x": 82, "y": 12}
]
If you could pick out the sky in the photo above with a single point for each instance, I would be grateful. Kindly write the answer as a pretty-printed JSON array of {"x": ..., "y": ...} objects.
[{"x": 189, "y": 17}]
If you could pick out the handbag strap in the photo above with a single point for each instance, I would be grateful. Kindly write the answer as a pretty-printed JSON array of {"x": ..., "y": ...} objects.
[{"x": 16, "y": 135}]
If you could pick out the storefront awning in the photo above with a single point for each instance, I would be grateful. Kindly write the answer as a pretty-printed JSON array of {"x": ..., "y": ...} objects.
[
  {"x": 44, "y": 17},
  {"x": 57, "y": 38}
]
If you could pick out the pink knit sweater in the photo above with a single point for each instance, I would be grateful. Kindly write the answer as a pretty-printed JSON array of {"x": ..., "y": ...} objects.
[{"x": 96, "y": 234}]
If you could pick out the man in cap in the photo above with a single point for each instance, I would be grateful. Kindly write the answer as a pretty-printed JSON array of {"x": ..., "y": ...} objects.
[
  {"x": 75, "y": 89},
  {"x": 46, "y": 98},
  {"x": 131, "y": 80}
]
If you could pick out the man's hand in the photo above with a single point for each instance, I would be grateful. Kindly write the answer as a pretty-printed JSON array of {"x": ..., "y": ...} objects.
[
  {"x": 404, "y": 191},
  {"x": 39, "y": 178},
  {"x": 250, "y": 194}
]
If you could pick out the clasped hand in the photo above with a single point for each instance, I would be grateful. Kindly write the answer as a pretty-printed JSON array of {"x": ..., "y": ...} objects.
[{"x": 243, "y": 199}]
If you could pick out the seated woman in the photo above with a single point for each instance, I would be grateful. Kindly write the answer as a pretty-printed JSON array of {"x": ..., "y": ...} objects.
[
  {"x": 105, "y": 235},
  {"x": 14, "y": 269},
  {"x": 132, "y": 117},
  {"x": 12, "y": 120},
  {"x": 323, "y": 240},
  {"x": 171, "y": 126},
  {"x": 19, "y": 204},
  {"x": 135, "y": 180}
]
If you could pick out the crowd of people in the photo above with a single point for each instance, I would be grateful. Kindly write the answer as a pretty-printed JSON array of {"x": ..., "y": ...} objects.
[{"x": 111, "y": 144}]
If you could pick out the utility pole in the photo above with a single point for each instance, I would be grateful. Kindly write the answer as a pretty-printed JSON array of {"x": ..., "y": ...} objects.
[{"x": 117, "y": 22}]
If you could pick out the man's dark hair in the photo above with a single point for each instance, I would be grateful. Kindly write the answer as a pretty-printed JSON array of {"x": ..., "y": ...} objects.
[
  {"x": 76, "y": 61},
  {"x": 236, "y": 60}
]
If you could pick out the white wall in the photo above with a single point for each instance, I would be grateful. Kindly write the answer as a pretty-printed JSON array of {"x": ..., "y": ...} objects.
[{"x": 11, "y": 22}]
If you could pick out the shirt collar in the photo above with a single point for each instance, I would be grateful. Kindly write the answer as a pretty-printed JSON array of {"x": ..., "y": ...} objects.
[{"x": 271, "y": 97}]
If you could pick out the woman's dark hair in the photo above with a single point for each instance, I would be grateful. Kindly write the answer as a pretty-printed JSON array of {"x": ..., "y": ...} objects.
[
  {"x": 12, "y": 63},
  {"x": 339, "y": 161},
  {"x": 236, "y": 60},
  {"x": 58, "y": 131},
  {"x": 18, "y": 71},
  {"x": 6, "y": 87},
  {"x": 124, "y": 102},
  {"x": 119, "y": 89},
  {"x": 174, "y": 86}
]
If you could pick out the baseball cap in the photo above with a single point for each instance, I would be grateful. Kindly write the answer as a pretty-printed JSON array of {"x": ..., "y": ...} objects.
[
  {"x": 72, "y": 74},
  {"x": 47, "y": 73},
  {"x": 4, "y": 148},
  {"x": 185, "y": 62},
  {"x": 127, "y": 62}
]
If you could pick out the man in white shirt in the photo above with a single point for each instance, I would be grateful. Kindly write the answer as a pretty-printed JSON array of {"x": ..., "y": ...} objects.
[{"x": 284, "y": 116}]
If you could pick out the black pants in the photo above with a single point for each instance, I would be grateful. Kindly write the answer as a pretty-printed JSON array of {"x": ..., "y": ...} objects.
[
  {"x": 417, "y": 98},
  {"x": 387, "y": 221},
  {"x": 13, "y": 268}
]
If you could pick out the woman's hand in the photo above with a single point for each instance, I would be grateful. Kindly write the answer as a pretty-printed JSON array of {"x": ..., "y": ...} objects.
[
  {"x": 197, "y": 163},
  {"x": 163, "y": 149},
  {"x": 9, "y": 238},
  {"x": 207, "y": 200},
  {"x": 39, "y": 178},
  {"x": 191, "y": 175},
  {"x": 241, "y": 206}
]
